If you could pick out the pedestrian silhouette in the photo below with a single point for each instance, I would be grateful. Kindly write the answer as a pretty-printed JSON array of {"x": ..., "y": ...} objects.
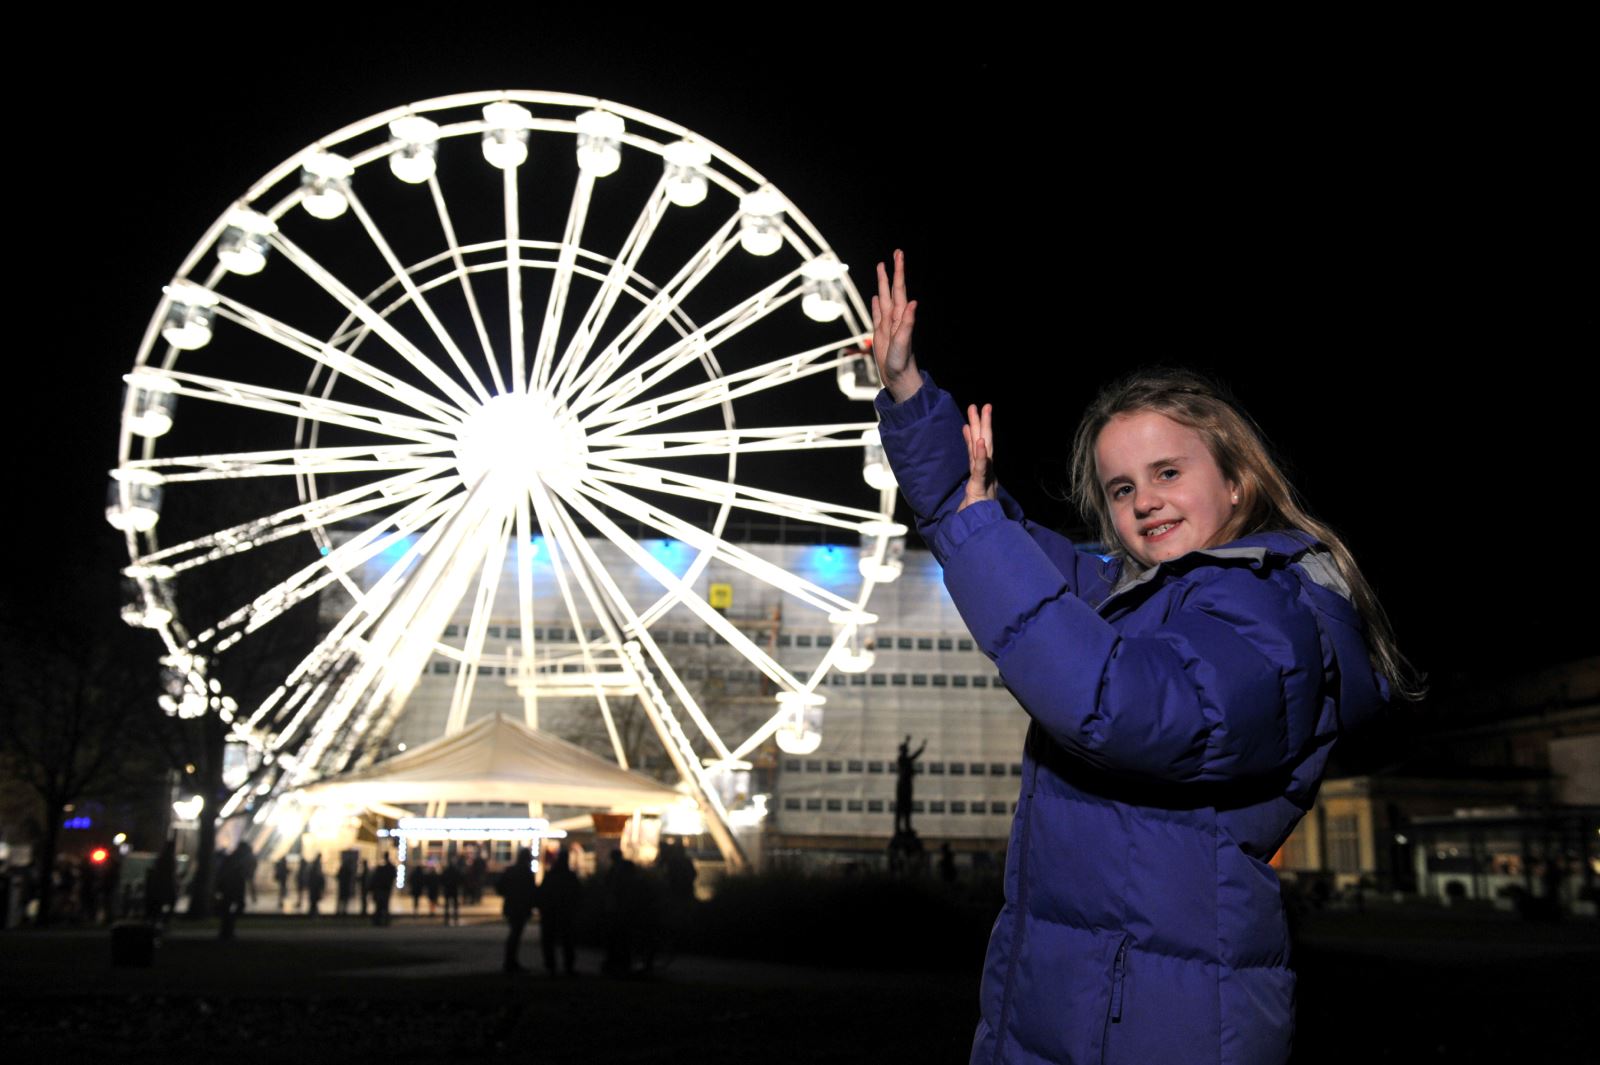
[
  {"x": 280, "y": 876},
  {"x": 558, "y": 913},
  {"x": 161, "y": 885},
  {"x": 316, "y": 884},
  {"x": 233, "y": 884},
  {"x": 517, "y": 892},
  {"x": 345, "y": 882},
  {"x": 450, "y": 887},
  {"x": 383, "y": 878},
  {"x": 905, "y": 766}
]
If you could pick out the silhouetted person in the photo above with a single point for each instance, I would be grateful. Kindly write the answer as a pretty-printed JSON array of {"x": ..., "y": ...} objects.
[
  {"x": 280, "y": 876},
  {"x": 302, "y": 879},
  {"x": 382, "y": 888},
  {"x": 233, "y": 886},
  {"x": 905, "y": 767},
  {"x": 450, "y": 887},
  {"x": 345, "y": 883},
  {"x": 161, "y": 884},
  {"x": 316, "y": 884},
  {"x": 418, "y": 886},
  {"x": 430, "y": 880},
  {"x": 477, "y": 877},
  {"x": 517, "y": 891},
  {"x": 558, "y": 914},
  {"x": 364, "y": 883},
  {"x": 625, "y": 910},
  {"x": 679, "y": 871}
]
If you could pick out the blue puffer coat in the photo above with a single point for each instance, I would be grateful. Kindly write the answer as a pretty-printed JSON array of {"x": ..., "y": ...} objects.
[{"x": 1181, "y": 725}]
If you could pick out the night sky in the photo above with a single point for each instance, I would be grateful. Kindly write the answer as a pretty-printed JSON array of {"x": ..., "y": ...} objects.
[{"x": 1385, "y": 254}]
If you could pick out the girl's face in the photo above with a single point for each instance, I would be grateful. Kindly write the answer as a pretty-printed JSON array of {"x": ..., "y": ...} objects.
[{"x": 1166, "y": 493}]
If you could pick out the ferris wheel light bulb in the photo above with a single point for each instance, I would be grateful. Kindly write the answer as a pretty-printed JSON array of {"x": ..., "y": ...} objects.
[
  {"x": 599, "y": 142},
  {"x": 760, "y": 213},
  {"x": 875, "y": 469},
  {"x": 325, "y": 183},
  {"x": 152, "y": 410},
  {"x": 685, "y": 163},
  {"x": 415, "y": 141},
  {"x": 823, "y": 305},
  {"x": 505, "y": 142},
  {"x": 187, "y": 325},
  {"x": 856, "y": 378},
  {"x": 242, "y": 248}
]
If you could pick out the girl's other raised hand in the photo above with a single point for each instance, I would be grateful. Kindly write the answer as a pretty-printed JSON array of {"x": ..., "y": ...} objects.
[
  {"x": 979, "y": 435},
  {"x": 892, "y": 319}
]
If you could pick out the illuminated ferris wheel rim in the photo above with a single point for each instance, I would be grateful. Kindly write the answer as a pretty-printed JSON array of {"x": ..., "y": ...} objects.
[{"x": 611, "y": 415}]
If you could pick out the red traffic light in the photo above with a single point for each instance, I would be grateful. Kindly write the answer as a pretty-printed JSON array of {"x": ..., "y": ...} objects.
[{"x": 99, "y": 855}]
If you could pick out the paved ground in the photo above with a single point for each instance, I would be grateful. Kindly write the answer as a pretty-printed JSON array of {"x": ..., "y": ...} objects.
[{"x": 1374, "y": 988}]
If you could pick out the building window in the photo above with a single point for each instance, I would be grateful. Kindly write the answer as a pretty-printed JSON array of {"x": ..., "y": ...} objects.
[
  {"x": 916, "y": 806},
  {"x": 897, "y": 680},
  {"x": 595, "y": 634},
  {"x": 494, "y": 632},
  {"x": 874, "y": 806},
  {"x": 813, "y": 765},
  {"x": 964, "y": 645},
  {"x": 813, "y": 805},
  {"x": 878, "y": 680},
  {"x": 925, "y": 643},
  {"x": 802, "y": 640},
  {"x": 835, "y": 767},
  {"x": 838, "y": 680},
  {"x": 835, "y": 806},
  {"x": 940, "y": 680},
  {"x": 1016, "y": 769},
  {"x": 792, "y": 765},
  {"x": 998, "y": 807},
  {"x": 791, "y": 804},
  {"x": 903, "y": 643},
  {"x": 874, "y": 767},
  {"x": 441, "y": 667},
  {"x": 999, "y": 682},
  {"x": 513, "y": 632},
  {"x": 977, "y": 808},
  {"x": 946, "y": 644},
  {"x": 958, "y": 769},
  {"x": 997, "y": 769},
  {"x": 452, "y": 630},
  {"x": 854, "y": 765},
  {"x": 977, "y": 769},
  {"x": 936, "y": 768},
  {"x": 958, "y": 681},
  {"x": 958, "y": 807},
  {"x": 935, "y": 807},
  {"x": 980, "y": 682},
  {"x": 919, "y": 680},
  {"x": 702, "y": 638},
  {"x": 680, "y": 636},
  {"x": 824, "y": 641},
  {"x": 853, "y": 806},
  {"x": 785, "y": 640},
  {"x": 694, "y": 673},
  {"x": 1344, "y": 843},
  {"x": 858, "y": 680}
]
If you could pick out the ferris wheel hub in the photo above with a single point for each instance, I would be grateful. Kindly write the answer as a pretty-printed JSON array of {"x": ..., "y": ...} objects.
[{"x": 519, "y": 437}]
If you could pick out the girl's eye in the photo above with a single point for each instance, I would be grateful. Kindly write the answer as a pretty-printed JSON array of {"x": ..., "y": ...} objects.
[
  {"x": 1120, "y": 490},
  {"x": 1168, "y": 474}
]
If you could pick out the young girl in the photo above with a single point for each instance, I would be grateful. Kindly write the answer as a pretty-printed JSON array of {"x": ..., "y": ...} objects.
[{"x": 1185, "y": 695}]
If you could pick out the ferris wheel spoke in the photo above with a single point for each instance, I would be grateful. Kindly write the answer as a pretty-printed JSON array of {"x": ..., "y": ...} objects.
[
  {"x": 687, "y": 349},
  {"x": 294, "y": 461},
  {"x": 636, "y": 446},
  {"x": 776, "y": 576},
  {"x": 655, "y": 311},
  {"x": 339, "y": 361},
  {"x": 309, "y": 516},
  {"x": 590, "y": 570},
  {"x": 478, "y": 628},
  {"x": 560, "y": 560},
  {"x": 561, "y": 279},
  {"x": 715, "y": 391},
  {"x": 765, "y": 501},
  {"x": 612, "y": 288},
  {"x": 682, "y": 592},
  {"x": 465, "y": 278},
  {"x": 525, "y": 611},
  {"x": 424, "y": 308},
  {"x": 333, "y": 567},
  {"x": 519, "y": 343},
  {"x": 374, "y": 321}
]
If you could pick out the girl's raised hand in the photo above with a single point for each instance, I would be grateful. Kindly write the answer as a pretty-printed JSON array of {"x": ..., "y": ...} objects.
[
  {"x": 979, "y": 435},
  {"x": 892, "y": 319}
]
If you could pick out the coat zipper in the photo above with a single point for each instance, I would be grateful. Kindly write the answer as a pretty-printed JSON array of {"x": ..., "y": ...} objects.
[{"x": 1117, "y": 972}]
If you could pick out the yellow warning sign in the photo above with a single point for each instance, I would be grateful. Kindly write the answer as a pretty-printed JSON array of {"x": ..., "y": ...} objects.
[{"x": 721, "y": 597}]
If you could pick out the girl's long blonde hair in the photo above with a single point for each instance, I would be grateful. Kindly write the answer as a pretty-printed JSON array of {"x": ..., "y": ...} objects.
[{"x": 1266, "y": 499}]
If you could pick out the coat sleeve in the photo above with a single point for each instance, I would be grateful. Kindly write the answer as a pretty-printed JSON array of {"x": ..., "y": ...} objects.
[
  {"x": 1228, "y": 686},
  {"x": 923, "y": 442}
]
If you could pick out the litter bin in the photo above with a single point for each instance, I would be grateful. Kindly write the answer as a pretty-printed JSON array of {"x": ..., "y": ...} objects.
[{"x": 133, "y": 944}]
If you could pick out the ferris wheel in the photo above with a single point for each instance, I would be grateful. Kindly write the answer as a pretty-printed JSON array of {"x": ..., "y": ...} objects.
[{"x": 500, "y": 332}]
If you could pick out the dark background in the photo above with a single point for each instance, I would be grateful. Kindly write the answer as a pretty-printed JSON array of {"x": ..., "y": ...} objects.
[{"x": 1377, "y": 239}]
